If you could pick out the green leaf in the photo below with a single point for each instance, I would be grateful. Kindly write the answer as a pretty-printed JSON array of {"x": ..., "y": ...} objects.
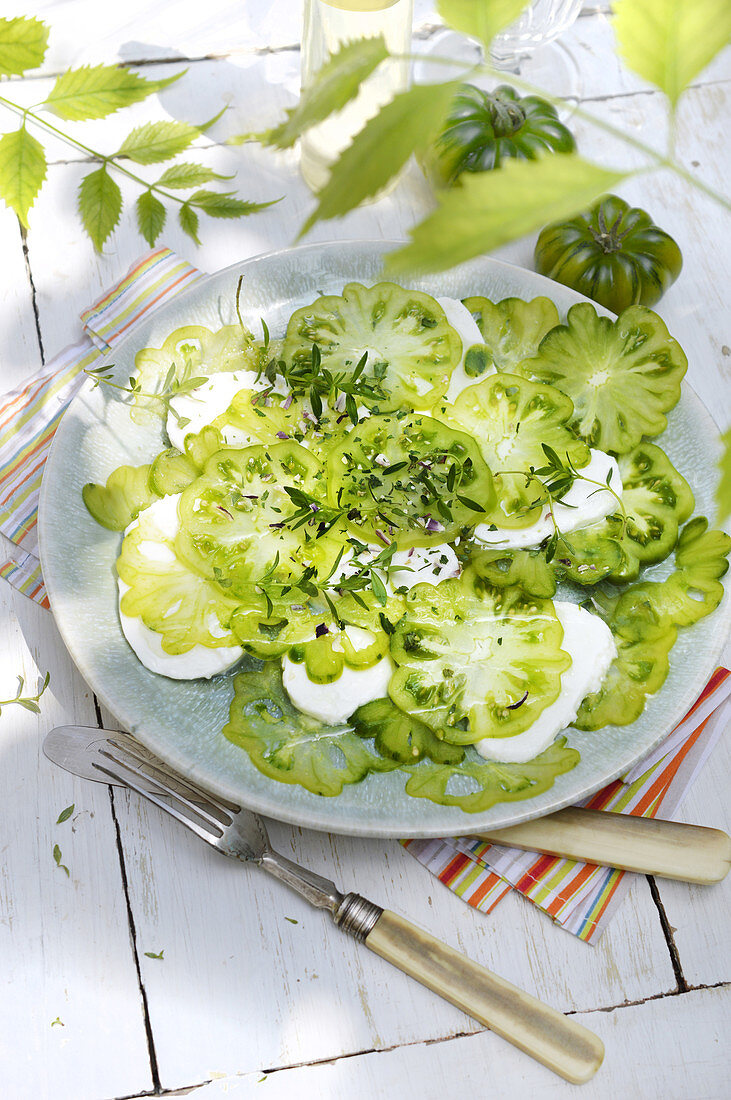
[
  {"x": 99, "y": 91},
  {"x": 22, "y": 171},
  {"x": 490, "y": 209},
  {"x": 188, "y": 220},
  {"x": 408, "y": 123},
  {"x": 723, "y": 490},
  {"x": 219, "y": 205},
  {"x": 155, "y": 955},
  {"x": 669, "y": 42},
  {"x": 180, "y": 176},
  {"x": 23, "y": 44},
  {"x": 100, "y": 205},
  {"x": 157, "y": 141},
  {"x": 334, "y": 85},
  {"x": 481, "y": 19},
  {"x": 65, "y": 814},
  {"x": 57, "y": 860},
  {"x": 150, "y": 217}
]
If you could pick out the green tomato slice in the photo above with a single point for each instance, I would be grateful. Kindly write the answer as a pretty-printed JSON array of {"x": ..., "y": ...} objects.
[
  {"x": 232, "y": 519},
  {"x": 694, "y": 589},
  {"x": 400, "y": 737},
  {"x": 528, "y": 569},
  {"x": 474, "y": 661},
  {"x": 475, "y": 785},
  {"x": 411, "y": 346},
  {"x": 127, "y": 491},
  {"x": 291, "y": 747},
  {"x": 326, "y": 657},
  {"x": 656, "y": 498},
  {"x": 170, "y": 597},
  {"x": 512, "y": 329},
  {"x": 622, "y": 376},
  {"x": 410, "y": 479},
  {"x": 190, "y": 354},
  {"x": 512, "y": 419},
  {"x": 644, "y": 639}
]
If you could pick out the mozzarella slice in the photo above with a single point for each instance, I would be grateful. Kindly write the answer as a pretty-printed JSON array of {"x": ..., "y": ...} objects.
[
  {"x": 202, "y": 405},
  {"x": 583, "y": 505},
  {"x": 590, "y": 644},
  {"x": 334, "y": 703},
  {"x": 200, "y": 661},
  {"x": 423, "y": 563},
  {"x": 462, "y": 320}
]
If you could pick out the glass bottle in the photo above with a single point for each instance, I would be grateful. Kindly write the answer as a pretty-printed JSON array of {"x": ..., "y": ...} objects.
[{"x": 327, "y": 25}]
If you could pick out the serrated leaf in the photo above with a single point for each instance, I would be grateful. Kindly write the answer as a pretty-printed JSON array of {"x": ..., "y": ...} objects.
[
  {"x": 100, "y": 205},
  {"x": 181, "y": 176},
  {"x": 334, "y": 85},
  {"x": 22, "y": 171},
  {"x": 157, "y": 141},
  {"x": 151, "y": 216},
  {"x": 188, "y": 220},
  {"x": 98, "y": 91},
  {"x": 489, "y": 209},
  {"x": 669, "y": 42},
  {"x": 219, "y": 205},
  {"x": 481, "y": 19},
  {"x": 23, "y": 43},
  {"x": 380, "y": 150},
  {"x": 723, "y": 490}
]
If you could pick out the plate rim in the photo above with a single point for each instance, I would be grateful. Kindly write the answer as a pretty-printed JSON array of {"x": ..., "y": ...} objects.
[{"x": 519, "y": 811}]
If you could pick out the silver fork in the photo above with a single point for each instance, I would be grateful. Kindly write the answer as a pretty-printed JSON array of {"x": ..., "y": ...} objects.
[{"x": 557, "y": 1041}]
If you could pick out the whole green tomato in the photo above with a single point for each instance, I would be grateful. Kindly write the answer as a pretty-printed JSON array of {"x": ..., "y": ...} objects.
[
  {"x": 612, "y": 253},
  {"x": 485, "y": 128}
]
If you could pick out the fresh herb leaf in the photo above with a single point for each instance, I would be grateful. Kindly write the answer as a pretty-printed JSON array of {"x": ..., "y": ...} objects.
[
  {"x": 58, "y": 1022},
  {"x": 57, "y": 860},
  {"x": 23, "y": 43},
  {"x": 481, "y": 20},
  {"x": 153, "y": 955},
  {"x": 188, "y": 221},
  {"x": 181, "y": 176},
  {"x": 100, "y": 90},
  {"x": 154, "y": 142},
  {"x": 22, "y": 171},
  {"x": 291, "y": 920},
  {"x": 65, "y": 814},
  {"x": 28, "y": 702},
  {"x": 151, "y": 216},
  {"x": 489, "y": 209},
  {"x": 669, "y": 42},
  {"x": 335, "y": 84},
  {"x": 405, "y": 125},
  {"x": 100, "y": 205}
]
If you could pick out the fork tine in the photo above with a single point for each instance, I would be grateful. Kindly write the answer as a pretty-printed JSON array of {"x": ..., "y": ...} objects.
[
  {"x": 214, "y": 806},
  {"x": 209, "y": 831}
]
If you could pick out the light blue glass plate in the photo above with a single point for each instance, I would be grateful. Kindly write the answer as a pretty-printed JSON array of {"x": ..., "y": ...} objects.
[{"x": 181, "y": 720}]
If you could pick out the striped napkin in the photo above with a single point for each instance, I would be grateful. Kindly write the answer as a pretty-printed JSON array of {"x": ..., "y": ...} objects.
[{"x": 581, "y": 897}]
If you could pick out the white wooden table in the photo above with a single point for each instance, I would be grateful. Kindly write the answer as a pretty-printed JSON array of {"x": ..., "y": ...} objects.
[{"x": 245, "y": 1000}]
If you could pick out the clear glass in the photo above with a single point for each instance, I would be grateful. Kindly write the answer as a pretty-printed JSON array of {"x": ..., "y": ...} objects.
[
  {"x": 327, "y": 24},
  {"x": 542, "y": 22},
  {"x": 528, "y": 47}
]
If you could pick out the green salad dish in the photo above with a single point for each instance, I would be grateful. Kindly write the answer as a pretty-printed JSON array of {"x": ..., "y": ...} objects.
[{"x": 389, "y": 560}]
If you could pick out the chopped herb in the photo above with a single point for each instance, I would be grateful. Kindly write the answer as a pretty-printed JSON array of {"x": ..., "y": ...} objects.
[
  {"x": 57, "y": 860},
  {"x": 152, "y": 955},
  {"x": 291, "y": 920}
]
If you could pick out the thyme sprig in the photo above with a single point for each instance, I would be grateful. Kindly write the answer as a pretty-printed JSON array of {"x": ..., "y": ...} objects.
[
  {"x": 307, "y": 378},
  {"x": 554, "y": 479},
  {"x": 27, "y": 702},
  {"x": 173, "y": 385}
]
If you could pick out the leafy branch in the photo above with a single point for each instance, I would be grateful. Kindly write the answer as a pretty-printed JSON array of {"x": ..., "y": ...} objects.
[
  {"x": 94, "y": 93},
  {"x": 27, "y": 702},
  {"x": 172, "y": 385},
  {"x": 662, "y": 41}
]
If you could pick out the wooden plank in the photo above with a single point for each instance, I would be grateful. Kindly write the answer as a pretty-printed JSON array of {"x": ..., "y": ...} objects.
[
  {"x": 639, "y": 1061},
  {"x": 272, "y": 992},
  {"x": 64, "y": 940},
  {"x": 698, "y": 916},
  {"x": 19, "y": 351}
]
